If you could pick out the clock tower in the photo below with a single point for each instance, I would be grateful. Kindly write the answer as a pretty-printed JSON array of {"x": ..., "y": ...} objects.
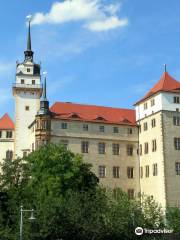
[{"x": 27, "y": 91}]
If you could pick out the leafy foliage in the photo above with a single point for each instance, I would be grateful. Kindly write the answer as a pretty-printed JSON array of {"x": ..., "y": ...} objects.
[{"x": 68, "y": 201}]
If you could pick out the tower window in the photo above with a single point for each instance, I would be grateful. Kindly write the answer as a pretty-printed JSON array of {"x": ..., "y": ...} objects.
[
  {"x": 33, "y": 82},
  {"x": 146, "y": 148},
  {"x": 152, "y": 102},
  {"x": 9, "y": 134},
  {"x": 145, "y": 106},
  {"x": 147, "y": 171},
  {"x": 22, "y": 81},
  {"x": 155, "y": 169},
  {"x": 154, "y": 145},
  {"x": 28, "y": 69},
  {"x": 153, "y": 122},
  {"x": 145, "y": 126},
  {"x": 27, "y": 108}
]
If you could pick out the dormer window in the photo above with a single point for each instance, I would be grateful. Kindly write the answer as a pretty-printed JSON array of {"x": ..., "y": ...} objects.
[
  {"x": 176, "y": 99},
  {"x": 145, "y": 106},
  {"x": 28, "y": 69},
  {"x": 22, "y": 81}
]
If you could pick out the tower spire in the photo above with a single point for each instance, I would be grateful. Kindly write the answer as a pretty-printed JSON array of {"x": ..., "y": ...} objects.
[
  {"x": 44, "y": 103},
  {"x": 29, "y": 53}
]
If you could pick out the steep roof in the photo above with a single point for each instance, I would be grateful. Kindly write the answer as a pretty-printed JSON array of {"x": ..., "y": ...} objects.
[
  {"x": 165, "y": 84},
  {"x": 92, "y": 113},
  {"x": 6, "y": 122}
]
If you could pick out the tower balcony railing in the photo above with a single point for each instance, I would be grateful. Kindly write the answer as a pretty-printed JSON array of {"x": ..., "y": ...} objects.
[{"x": 23, "y": 85}]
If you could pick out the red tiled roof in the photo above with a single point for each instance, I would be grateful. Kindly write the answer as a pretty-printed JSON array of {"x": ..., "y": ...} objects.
[
  {"x": 6, "y": 122},
  {"x": 92, "y": 113},
  {"x": 165, "y": 84}
]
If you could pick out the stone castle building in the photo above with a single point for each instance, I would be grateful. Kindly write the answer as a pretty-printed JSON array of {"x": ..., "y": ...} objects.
[{"x": 136, "y": 150}]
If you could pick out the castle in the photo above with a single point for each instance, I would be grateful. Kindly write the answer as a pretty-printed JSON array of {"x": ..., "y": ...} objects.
[{"x": 137, "y": 150}]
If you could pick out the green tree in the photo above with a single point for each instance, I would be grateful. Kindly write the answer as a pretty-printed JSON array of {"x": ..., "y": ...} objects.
[{"x": 173, "y": 218}]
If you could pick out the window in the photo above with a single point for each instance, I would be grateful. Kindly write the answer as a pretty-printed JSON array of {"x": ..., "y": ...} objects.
[
  {"x": 102, "y": 171},
  {"x": 130, "y": 131},
  {"x": 85, "y": 127},
  {"x": 9, "y": 155},
  {"x": 131, "y": 193},
  {"x": 155, "y": 169},
  {"x": 64, "y": 125},
  {"x": 64, "y": 143},
  {"x": 116, "y": 171},
  {"x": 147, "y": 171},
  {"x": 176, "y": 99},
  {"x": 140, "y": 149},
  {"x": 22, "y": 81},
  {"x": 145, "y": 106},
  {"x": 8, "y": 134},
  {"x": 27, "y": 108},
  {"x": 152, "y": 102},
  {"x": 145, "y": 126},
  {"x": 146, "y": 148},
  {"x": 33, "y": 82},
  {"x": 130, "y": 172},
  {"x": 115, "y": 130},
  {"x": 154, "y": 145},
  {"x": 115, "y": 149},
  {"x": 0, "y": 134},
  {"x": 177, "y": 167},
  {"x": 28, "y": 69},
  {"x": 141, "y": 172},
  {"x": 129, "y": 150},
  {"x": 101, "y": 128},
  {"x": 177, "y": 143},
  {"x": 84, "y": 147},
  {"x": 176, "y": 121},
  {"x": 153, "y": 122},
  {"x": 101, "y": 148},
  {"x": 24, "y": 154}
]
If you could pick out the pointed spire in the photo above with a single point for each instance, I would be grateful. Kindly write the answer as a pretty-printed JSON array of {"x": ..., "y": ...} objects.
[
  {"x": 44, "y": 103},
  {"x": 29, "y": 36},
  {"x": 29, "y": 53}
]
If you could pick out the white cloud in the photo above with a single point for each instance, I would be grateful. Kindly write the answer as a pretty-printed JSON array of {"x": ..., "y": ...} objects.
[
  {"x": 107, "y": 24},
  {"x": 92, "y": 12}
]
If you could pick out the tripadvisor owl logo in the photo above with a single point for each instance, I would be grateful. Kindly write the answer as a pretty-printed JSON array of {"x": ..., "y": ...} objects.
[{"x": 139, "y": 231}]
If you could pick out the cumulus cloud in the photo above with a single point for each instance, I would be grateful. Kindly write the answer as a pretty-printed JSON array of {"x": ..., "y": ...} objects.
[{"x": 95, "y": 15}]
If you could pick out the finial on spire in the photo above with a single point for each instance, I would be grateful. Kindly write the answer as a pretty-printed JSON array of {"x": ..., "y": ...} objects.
[
  {"x": 29, "y": 53},
  {"x": 165, "y": 67}
]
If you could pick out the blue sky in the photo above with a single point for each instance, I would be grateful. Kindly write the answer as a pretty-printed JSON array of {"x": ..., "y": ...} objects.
[{"x": 109, "y": 54}]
